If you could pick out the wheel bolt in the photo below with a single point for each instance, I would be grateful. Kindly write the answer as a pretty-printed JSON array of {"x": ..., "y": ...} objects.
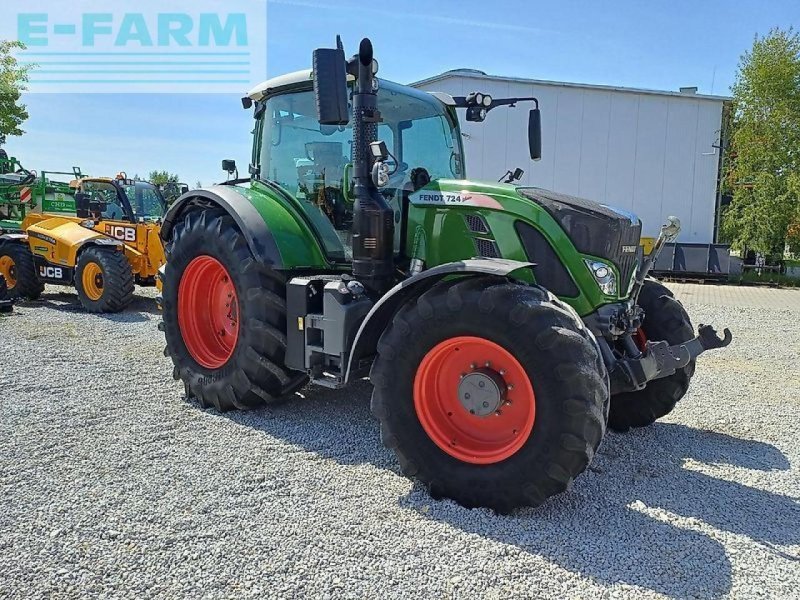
[
  {"x": 481, "y": 384},
  {"x": 497, "y": 413},
  {"x": 473, "y": 366},
  {"x": 502, "y": 371},
  {"x": 488, "y": 364},
  {"x": 510, "y": 387}
]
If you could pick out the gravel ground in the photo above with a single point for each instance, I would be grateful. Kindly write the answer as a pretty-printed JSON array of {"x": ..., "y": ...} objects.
[{"x": 111, "y": 485}]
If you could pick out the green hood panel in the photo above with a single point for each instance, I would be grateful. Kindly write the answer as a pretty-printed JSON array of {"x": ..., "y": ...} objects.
[{"x": 442, "y": 229}]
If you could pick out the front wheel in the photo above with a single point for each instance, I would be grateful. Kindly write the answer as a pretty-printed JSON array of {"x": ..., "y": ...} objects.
[
  {"x": 224, "y": 316},
  {"x": 104, "y": 280},
  {"x": 664, "y": 319},
  {"x": 490, "y": 393}
]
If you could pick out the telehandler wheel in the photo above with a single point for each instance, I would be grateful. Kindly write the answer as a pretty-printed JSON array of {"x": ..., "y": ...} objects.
[
  {"x": 491, "y": 393},
  {"x": 19, "y": 271},
  {"x": 664, "y": 319},
  {"x": 104, "y": 280},
  {"x": 224, "y": 316}
]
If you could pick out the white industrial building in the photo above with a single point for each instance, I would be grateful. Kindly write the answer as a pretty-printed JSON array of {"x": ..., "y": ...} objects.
[{"x": 650, "y": 152}]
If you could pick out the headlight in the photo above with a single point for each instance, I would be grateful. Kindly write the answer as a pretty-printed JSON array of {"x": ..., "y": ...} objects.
[
  {"x": 487, "y": 101},
  {"x": 604, "y": 276}
]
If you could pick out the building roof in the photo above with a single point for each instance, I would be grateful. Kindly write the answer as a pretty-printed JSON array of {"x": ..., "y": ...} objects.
[{"x": 480, "y": 75}]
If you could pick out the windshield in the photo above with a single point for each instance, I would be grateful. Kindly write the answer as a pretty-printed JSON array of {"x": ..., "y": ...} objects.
[
  {"x": 313, "y": 162},
  {"x": 104, "y": 194},
  {"x": 146, "y": 200}
]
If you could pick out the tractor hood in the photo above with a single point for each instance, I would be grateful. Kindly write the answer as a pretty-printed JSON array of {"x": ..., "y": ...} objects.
[{"x": 595, "y": 229}]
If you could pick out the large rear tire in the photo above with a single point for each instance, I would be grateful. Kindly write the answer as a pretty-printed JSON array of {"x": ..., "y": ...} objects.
[
  {"x": 664, "y": 319},
  {"x": 19, "y": 270},
  {"x": 464, "y": 339},
  {"x": 104, "y": 280},
  {"x": 224, "y": 316}
]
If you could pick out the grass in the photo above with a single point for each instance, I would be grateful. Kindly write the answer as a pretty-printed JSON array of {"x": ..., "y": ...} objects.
[{"x": 767, "y": 278}]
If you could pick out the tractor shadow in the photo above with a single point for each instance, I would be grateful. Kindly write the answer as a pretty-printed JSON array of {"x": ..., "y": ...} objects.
[
  {"x": 136, "y": 312},
  {"x": 600, "y": 528}
]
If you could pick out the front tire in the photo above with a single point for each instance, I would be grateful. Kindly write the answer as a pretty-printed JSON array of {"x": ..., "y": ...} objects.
[
  {"x": 104, "y": 280},
  {"x": 526, "y": 348},
  {"x": 664, "y": 319},
  {"x": 19, "y": 271},
  {"x": 224, "y": 317}
]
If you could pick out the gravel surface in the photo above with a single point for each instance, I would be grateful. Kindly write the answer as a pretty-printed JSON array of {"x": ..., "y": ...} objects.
[{"x": 111, "y": 485}]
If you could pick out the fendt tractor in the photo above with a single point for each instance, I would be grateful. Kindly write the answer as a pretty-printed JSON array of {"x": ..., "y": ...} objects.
[
  {"x": 102, "y": 240},
  {"x": 503, "y": 327}
]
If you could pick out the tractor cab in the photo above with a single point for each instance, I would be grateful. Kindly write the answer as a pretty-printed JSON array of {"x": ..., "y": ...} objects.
[
  {"x": 314, "y": 162},
  {"x": 118, "y": 199}
]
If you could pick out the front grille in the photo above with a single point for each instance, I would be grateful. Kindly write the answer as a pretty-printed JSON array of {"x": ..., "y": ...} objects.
[
  {"x": 594, "y": 229},
  {"x": 628, "y": 262},
  {"x": 486, "y": 248}
]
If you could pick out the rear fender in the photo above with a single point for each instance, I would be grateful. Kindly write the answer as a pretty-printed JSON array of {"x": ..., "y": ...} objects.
[
  {"x": 247, "y": 218},
  {"x": 379, "y": 317}
]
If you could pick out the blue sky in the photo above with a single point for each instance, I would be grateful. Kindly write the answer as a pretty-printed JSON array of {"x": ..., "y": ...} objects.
[{"x": 659, "y": 45}]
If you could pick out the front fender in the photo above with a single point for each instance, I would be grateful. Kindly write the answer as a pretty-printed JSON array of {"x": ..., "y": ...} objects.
[{"x": 378, "y": 318}]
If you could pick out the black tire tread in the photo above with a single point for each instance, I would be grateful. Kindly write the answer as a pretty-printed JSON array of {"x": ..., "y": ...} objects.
[
  {"x": 665, "y": 319},
  {"x": 568, "y": 352},
  {"x": 256, "y": 375},
  {"x": 28, "y": 286},
  {"x": 118, "y": 280}
]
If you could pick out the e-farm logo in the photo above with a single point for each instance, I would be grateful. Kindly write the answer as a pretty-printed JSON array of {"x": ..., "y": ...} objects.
[{"x": 129, "y": 46}]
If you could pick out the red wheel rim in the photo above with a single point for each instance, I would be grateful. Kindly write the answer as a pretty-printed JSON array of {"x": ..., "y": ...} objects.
[
  {"x": 478, "y": 425},
  {"x": 208, "y": 312}
]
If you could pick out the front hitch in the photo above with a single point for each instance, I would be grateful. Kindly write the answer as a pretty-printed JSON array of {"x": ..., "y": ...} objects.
[{"x": 659, "y": 359}]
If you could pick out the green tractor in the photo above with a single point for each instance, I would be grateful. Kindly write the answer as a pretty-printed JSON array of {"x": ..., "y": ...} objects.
[{"x": 503, "y": 327}]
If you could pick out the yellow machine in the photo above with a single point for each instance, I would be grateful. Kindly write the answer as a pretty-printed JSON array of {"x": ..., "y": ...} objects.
[{"x": 110, "y": 243}]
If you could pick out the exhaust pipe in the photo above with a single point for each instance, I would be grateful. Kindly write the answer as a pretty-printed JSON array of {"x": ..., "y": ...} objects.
[{"x": 373, "y": 218}]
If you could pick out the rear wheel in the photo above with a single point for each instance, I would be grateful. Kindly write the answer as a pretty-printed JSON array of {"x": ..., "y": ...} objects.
[
  {"x": 19, "y": 271},
  {"x": 6, "y": 305},
  {"x": 104, "y": 280},
  {"x": 490, "y": 393},
  {"x": 664, "y": 319},
  {"x": 224, "y": 316}
]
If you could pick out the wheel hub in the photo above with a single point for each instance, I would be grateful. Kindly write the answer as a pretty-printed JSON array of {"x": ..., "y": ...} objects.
[{"x": 482, "y": 392}]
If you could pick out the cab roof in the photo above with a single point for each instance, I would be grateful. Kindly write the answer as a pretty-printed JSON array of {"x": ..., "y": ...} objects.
[{"x": 304, "y": 76}]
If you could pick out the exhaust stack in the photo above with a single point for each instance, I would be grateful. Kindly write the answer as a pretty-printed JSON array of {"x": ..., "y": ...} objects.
[{"x": 373, "y": 218}]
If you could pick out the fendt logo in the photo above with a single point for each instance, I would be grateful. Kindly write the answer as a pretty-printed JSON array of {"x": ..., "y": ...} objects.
[
  {"x": 51, "y": 272},
  {"x": 143, "y": 46},
  {"x": 126, "y": 234}
]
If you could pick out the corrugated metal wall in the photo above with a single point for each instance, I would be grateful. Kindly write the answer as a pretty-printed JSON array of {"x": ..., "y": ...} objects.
[{"x": 651, "y": 154}]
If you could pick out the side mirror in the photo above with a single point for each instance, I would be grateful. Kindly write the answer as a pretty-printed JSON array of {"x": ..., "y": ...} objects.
[
  {"x": 229, "y": 166},
  {"x": 535, "y": 134},
  {"x": 82, "y": 205},
  {"x": 330, "y": 86}
]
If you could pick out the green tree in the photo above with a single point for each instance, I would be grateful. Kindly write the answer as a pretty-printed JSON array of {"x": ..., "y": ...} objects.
[
  {"x": 13, "y": 81},
  {"x": 764, "y": 167},
  {"x": 162, "y": 177}
]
